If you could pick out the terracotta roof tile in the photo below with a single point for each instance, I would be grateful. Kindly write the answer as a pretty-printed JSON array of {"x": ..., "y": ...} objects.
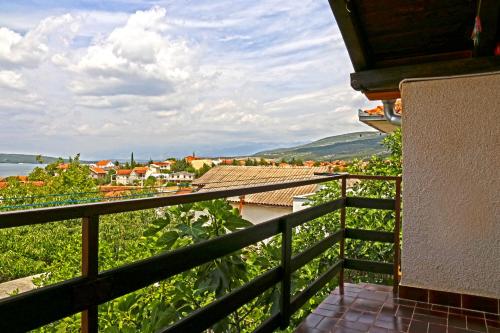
[
  {"x": 227, "y": 177},
  {"x": 123, "y": 172},
  {"x": 379, "y": 110},
  {"x": 140, "y": 170},
  {"x": 98, "y": 170},
  {"x": 102, "y": 163}
]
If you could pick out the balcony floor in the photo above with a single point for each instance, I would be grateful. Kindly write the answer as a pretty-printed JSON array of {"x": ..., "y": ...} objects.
[{"x": 374, "y": 308}]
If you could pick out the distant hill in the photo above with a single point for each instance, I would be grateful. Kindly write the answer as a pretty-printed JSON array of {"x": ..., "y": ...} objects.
[
  {"x": 340, "y": 147},
  {"x": 25, "y": 158}
]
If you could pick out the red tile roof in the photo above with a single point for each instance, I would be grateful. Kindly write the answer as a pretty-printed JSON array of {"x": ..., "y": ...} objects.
[
  {"x": 98, "y": 170},
  {"x": 123, "y": 172},
  {"x": 63, "y": 166},
  {"x": 140, "y": 170},
  {"x": 102, "y": 163},
  {"x": 379, "y": 110},
  {"x": 166, "y": 163}
]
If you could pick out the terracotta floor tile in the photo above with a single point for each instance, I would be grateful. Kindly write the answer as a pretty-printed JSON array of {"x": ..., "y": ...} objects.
[
  {"x": 332, "y": 299},
  {"x": 493, "y": 329},
  {"x": 441, "y": 308},
  {"x": 389, "y": 309},
  {"x": 369, "y": 308},
  {"x": 367, "y": 305},
  {"x": 455, "y": 320},
  {"x": 421, "y": 305},
  {"x": 327, "y": 313},
  {"x": 312, "y": 320},
  {"x": 493, "y": 323},
  {"x": 306, "y": 329},
  {"x": 405, "y": 311},
  {"x": 430, "y": 319},
  {"x": 367, "y": 318},
  {"x": 476, "y": 324},
  {"x": 418, "y": 327},
  {"x": 398, "y": 324},
  {"x": 354, "y": 325},
  {"x": 375, "y": 296},
  {"x": 405, "y": 302},
  {"x": 352, "y": 315},
  {"x": 466, "y": 312},
  {"x": 491, "y": 316},
  {"x": 345, "y": 330},
  {"x": 434, "y": 328},
  {"x": 333, "y": 307},
  {"x": 327, "y": 324},
  {"x": 458, "y": 330}
]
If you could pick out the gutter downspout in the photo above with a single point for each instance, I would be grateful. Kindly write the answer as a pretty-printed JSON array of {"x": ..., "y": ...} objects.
[{"x": 390, "y": 114}]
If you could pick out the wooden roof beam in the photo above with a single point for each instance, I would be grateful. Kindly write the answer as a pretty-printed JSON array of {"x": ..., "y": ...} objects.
[
  {"x": 388, "y": 79},
  {"x": 345, "y": 13}
]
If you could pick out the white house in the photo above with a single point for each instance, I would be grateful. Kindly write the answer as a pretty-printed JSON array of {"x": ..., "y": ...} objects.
[
  {"x": 260, "y": 207},
  {"x": 181, "y": 177},
  {"x": 104, "y": 164},
  {"x": 122, "y": 176},
  {"x": 97, "y": 173},
  {"x": 161, "y": 167}
]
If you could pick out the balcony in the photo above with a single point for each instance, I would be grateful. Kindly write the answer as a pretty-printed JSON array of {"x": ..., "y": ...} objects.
[{"x": 41, "y": 306}]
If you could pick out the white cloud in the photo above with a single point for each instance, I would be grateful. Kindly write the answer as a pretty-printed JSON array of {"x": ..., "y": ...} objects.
[
  {"x": 11, "y": 80},
  {"x": 209, "y": 77},
  {"x": 29, "y": 50}
]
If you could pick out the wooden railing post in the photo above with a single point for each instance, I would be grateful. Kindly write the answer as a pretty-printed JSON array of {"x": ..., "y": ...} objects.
[
  {"x": 342, "y": 228},
  {"x": 397, "y": 228},
  {"x": 286, "y": 259},
  {"x": 90, "y": 267}
]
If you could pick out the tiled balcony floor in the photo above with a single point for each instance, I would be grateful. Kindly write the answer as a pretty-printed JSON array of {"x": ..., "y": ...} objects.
[{"x": 375, "y": 309}]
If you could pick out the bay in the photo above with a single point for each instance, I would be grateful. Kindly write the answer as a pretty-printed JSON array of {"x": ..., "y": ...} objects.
[{"x": 17, "y": 169}]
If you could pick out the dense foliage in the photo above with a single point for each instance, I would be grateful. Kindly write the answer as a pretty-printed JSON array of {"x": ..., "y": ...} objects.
[{"x": 54, "y": 249}]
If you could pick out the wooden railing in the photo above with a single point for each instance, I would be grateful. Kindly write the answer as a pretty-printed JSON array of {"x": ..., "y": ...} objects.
[{"x": 41, "y": 306}]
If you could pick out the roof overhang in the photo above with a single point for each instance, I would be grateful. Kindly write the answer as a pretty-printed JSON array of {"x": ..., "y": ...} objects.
[
  {"x": 391, "y": 40},
  {"x": 377, "y": 122}
]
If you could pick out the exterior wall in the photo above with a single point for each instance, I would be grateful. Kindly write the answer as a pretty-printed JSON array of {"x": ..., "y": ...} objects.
[
  {"x": 301, "y": 202},
  {"x": 198, "y": 164},
  {"x": 260, "y": 213},
  {"x": 122, "y": 180},
  {"x": 451, "y": 179}
]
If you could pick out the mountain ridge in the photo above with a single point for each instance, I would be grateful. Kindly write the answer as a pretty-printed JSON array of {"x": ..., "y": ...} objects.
[{"x": 340, "y": 147}]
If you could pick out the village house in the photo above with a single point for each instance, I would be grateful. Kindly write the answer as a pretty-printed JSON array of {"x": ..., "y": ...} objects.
[
  {"x": 97, "y": 173},
  {"x": 199, "y": 163},
  {"x": 161, "y": 167},
  {"x": 122, "y": 176},
  {"x": 138, "y": 174},
  {"x": 104, "y": 164},
  {"x": 259, "y": 207},
  {"x": 181, "y": 177}
]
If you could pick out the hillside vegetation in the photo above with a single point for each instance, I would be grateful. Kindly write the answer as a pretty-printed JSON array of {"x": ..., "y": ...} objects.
[
  {"x": 27, "y": 158},
  {"x": 360, "y": 145}
]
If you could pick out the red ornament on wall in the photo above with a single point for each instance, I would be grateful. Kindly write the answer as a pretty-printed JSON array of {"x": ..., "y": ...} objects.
[{"x": 497, "y": 49}]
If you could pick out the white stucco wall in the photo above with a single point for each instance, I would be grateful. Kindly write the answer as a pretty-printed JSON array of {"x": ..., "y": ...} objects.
[
  {"x": 451, "y": 180},
  {"x": 260, "y": 213}
]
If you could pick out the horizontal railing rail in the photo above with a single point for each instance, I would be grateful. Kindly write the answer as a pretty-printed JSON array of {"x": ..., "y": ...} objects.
[
  {"x": 52, "y": 214},
  {"x": 41, "y": 306}
]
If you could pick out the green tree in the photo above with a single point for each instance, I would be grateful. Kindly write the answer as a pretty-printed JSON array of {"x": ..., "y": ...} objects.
[
  {"x": 132, "y": 161},
  {"x": 203, "y": 170},
  {"x": 39, "y": 159},
  {"x": 150, "y": 181}
]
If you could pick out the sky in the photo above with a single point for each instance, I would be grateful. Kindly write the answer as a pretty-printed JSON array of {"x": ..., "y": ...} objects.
[{"x": 168, "y": 78}]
